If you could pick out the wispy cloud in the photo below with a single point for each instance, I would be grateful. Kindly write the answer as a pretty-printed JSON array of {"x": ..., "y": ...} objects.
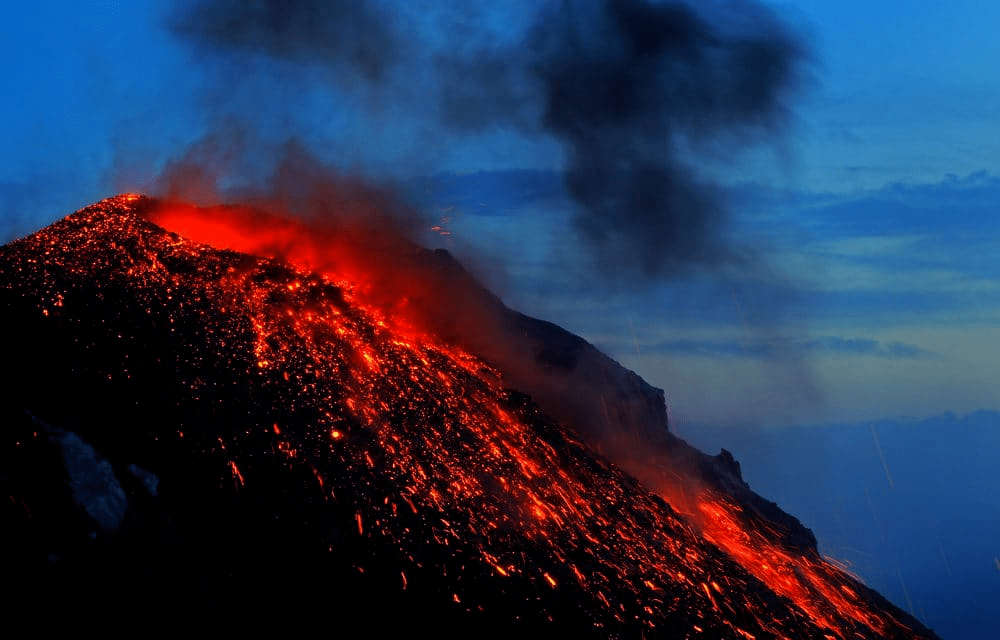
[
  {"x": 869, "y": 347},
  {"x": 784, "y": 349}
]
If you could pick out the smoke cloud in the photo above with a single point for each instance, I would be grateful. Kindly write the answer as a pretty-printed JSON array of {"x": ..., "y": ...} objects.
[
  {"x": 354, "y": 36},
  {"x": 635, "y": 93},
  {"x": 631, "y": 90}
]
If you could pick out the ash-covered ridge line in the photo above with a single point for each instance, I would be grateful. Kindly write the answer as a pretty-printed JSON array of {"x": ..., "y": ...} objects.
[{"x": 311, "y": 456}]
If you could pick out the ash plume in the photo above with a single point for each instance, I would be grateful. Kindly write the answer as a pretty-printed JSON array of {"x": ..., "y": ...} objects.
[
  {"x": 310, "y": 213},
  {"x": 354, "y": 35},
  {"x": 633, "y": 91},
  {"x": 636, "y": 94}
]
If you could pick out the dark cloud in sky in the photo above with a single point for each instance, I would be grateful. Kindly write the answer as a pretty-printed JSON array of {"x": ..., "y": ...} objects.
[
  {"x": 626, "y": 93},
  {"x": 632, "y": 90},
  {"x": 355, "y": 36}
]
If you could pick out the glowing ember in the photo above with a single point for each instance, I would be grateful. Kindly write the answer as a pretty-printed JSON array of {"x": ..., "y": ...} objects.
[{"x": 440, "y": 480}]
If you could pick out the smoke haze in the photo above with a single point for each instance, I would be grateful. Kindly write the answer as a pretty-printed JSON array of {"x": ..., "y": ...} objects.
[
  {"x": 636, "y": 95},
  {"x": 632, "y": 91}
]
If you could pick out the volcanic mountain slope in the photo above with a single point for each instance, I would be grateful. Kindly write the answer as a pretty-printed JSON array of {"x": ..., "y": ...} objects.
[{"x": 191, "y": 431}]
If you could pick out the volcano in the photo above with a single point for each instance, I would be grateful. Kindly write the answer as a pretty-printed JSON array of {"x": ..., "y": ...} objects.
[{"x": 193, "y": 432}]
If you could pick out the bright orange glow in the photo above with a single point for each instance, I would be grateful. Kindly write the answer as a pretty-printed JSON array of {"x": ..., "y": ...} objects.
[
  {"x": 814, "y": 585},
  {"x": 816, "y": 588},
  {"x": 473, "y": 468},
  {"x": 236, "y": 472},
  {"x": 345, "y": 251}
]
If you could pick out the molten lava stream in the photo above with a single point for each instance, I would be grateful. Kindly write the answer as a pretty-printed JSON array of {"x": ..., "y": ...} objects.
[
  {"x": 389, "y": 380},
  {"x": 818, "y": 588}
]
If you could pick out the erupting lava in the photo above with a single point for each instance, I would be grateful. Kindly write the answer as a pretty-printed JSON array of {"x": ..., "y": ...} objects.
[{"x": 335, "y": 438}]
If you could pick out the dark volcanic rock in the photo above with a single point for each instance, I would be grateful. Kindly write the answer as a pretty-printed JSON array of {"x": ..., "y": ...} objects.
[{"x": 189, "y": 433}]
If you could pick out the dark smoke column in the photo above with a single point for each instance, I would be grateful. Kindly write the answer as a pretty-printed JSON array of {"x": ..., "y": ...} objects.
[
  {"x": 628, "y": 92},
  {"x": 630, "y": 88}
]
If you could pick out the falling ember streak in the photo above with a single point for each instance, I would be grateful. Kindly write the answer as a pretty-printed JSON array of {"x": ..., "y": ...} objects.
[
  {"x": 236, "y": 472},
  {"x": 498, "y": 493},
  {"x": 635, "y": 340},
  {"x": 944, "y": 557},
  {"x": 881, "y": 456},
  {"x": 808, "y": 582},
  {"x": 906, "y": 590},
  {"x": 710, "y": 597}
]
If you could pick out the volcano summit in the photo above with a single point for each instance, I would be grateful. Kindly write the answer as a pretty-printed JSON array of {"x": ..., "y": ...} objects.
[{"x": 192, "y": 431}]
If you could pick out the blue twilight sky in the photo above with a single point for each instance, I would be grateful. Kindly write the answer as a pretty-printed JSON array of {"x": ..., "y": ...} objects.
[
  {"x": 871, "y": 299},
  {"x": 874, "y": 212}
]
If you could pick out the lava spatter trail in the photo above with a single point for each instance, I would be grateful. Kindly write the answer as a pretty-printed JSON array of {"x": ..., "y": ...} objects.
[{"x": 299, "y": 431}]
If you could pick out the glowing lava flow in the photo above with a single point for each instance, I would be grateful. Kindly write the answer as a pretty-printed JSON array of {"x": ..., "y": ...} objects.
[
  {"x": 449, "y": 482},
  {"x": 828, "y": 595},
  {"x": 820, "y": 590}
]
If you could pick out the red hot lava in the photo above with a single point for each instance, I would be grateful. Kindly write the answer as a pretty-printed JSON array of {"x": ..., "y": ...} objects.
[{"x": 465, "y": 487}]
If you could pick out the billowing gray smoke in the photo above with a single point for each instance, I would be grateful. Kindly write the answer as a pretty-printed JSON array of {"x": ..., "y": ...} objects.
[
  {"x": 352, "y": 34},
  {"x": 623, "y": 101},
  {"x": 632, "y": 89}
]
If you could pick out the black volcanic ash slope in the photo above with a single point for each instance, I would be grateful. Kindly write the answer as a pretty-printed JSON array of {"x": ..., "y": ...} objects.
[{"x": 189, "y": 431}]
